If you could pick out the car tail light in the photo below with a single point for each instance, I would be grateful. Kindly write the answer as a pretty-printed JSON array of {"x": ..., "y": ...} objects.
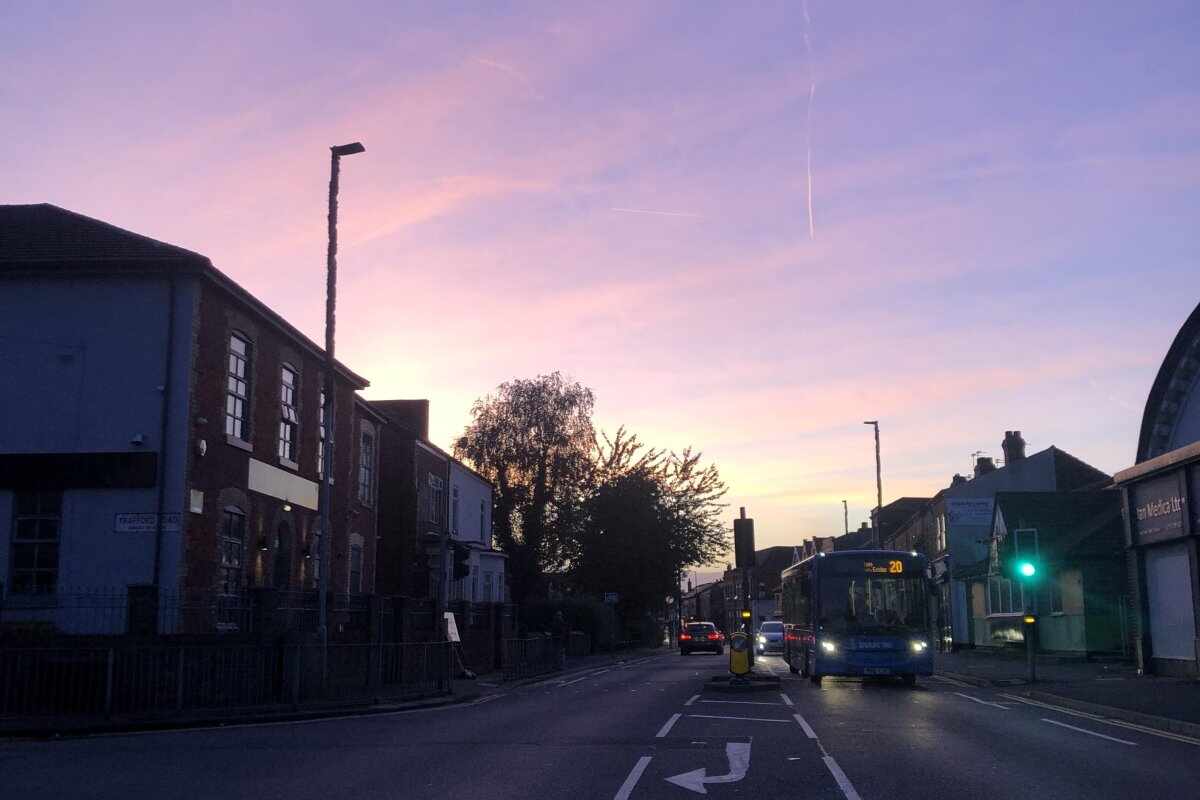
[
  {"x": 791, "y": 637},
  {"x": 714, "y": 636},
  {"x": 683, "y": 637}
]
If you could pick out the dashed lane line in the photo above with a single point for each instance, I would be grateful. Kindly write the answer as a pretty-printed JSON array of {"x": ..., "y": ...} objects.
[
  {"x": 632, "y": 779},
  {"x": 741, "y": 702},
  {"x": 666, "y": 728},
  {"x": 808, "y": 731},
  {"x": 1090, "y": 733},
  {"x": 692, "y": 699},
  {"x": 786, "y": 699}
]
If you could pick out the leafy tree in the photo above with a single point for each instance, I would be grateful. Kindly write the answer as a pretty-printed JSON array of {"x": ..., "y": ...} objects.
[{"x": 533, "y": 440}]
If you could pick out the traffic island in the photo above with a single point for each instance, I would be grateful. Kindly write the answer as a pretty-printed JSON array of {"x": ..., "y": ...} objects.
[{"x": 736, "y": 684}]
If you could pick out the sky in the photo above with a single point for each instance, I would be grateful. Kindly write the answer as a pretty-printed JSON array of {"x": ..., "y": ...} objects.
[{"x": 956, "y": 218}]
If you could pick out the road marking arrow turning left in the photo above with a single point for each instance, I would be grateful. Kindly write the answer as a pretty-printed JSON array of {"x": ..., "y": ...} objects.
[{"x": 739, "y": 762}]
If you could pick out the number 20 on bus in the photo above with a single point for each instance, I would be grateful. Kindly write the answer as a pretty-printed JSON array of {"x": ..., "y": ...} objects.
[{"x": 895, "y": 567}]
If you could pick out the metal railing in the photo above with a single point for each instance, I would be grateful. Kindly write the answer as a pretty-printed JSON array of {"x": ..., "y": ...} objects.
[
  {"x": 161, "y": 680},
  {"x": 524, "y": 658}
]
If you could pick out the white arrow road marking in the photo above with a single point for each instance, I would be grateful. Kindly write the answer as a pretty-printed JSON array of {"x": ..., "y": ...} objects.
[{"x": 739, "y": 762}]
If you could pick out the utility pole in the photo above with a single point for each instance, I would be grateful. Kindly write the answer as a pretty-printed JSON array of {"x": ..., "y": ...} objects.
[
  {"x": 325, "y": 583},
  {"x": 845, "y": 517},
  {"x": 878, "y": 486}
]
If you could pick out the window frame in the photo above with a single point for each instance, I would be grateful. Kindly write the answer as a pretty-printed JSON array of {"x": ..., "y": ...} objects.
[
  {"x": 437, "y": 492},
  {"x": 366, "y": 467},
  {"x": 354, "y": 576},
  {"x": 288, "y": 439},
  {"x": 454, "y": 509},
  {"x": 41, "y": 515},
  {"x": 237, "y": 426},
  {"x": 228, "y": 543}
]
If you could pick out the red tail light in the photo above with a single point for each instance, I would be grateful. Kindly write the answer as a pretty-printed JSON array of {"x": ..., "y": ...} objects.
[
  {"x": 791, "y": 637},
  {"x": 683, "y": 637},
  {"x": 714, "y": 637}
]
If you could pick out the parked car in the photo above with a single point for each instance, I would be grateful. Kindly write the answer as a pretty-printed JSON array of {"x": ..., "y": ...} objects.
[
  {"x": 769, "y": 638},
  {"x": 701, "y": 636}
]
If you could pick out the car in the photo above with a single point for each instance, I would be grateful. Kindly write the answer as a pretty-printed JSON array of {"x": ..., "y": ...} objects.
[
  {"x": 701, "y": 636},
  {"x": 769, "y": 638}
]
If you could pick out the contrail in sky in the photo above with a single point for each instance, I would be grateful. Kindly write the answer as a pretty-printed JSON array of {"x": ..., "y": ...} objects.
[
  {"x": 812, "y": 91},
  {"x": 652, "y": 211}
]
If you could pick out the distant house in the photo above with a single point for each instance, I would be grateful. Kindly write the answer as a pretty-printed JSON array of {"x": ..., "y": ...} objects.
[
  {"x": 963, "y": 521},
  {"x": 160, "y": 429},
  {"x": 471, "y": 528},
  {"x": 1079, "y": 595}
]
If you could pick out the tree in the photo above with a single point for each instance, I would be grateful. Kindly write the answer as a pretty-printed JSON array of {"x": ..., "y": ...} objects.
[
  {"x": 533, "y": 440},
  {"x": 650, "y": 515}
]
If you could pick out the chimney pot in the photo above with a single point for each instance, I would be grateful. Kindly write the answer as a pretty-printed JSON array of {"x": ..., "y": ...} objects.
[
  {"x": 1014, "y": 446},
  {"x": 743, "y": 509}
]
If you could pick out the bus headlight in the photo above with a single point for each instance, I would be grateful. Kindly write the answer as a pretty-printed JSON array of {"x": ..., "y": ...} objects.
[
  {"x": 828, "y": 646},
  {"x": 919, "y": 645}
]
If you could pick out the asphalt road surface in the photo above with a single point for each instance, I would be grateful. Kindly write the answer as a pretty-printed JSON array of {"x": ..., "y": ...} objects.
[{"x": 644, "y": 729}]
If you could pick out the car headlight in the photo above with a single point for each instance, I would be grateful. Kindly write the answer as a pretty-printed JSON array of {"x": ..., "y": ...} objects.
[
  {"x": 828, "y": 646},
  {"x": 762, "y": 639},
  {"x": 918, "y": 645}
]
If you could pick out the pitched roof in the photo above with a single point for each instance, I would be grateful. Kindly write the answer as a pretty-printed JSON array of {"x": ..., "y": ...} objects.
[
  {"x": 44, "y": 239},
  {"x": 1069, "y": 524},
  {"x": 1072, "y": 474},
  {"x": 43, "y": 234}
]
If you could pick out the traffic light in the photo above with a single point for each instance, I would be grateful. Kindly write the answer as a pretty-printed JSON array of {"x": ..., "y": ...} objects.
[
  {"x": 1026, "y": 568},
  {"x": 1024, "y": 562},
  {"x": 462, "y": 560}
]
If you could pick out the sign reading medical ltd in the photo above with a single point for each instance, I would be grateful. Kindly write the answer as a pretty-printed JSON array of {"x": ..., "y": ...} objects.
[{"x": 1157, "y": 508}]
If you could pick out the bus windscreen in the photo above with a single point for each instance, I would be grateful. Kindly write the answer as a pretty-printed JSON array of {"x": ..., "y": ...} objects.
[{"x": 866, "y": 604}]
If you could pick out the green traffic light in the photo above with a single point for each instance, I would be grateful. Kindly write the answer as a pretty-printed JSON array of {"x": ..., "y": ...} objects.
[{"x": 1027, "y": 569}]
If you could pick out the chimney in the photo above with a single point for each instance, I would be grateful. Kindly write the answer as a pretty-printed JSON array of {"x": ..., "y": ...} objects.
[
  {"x": 1014, "y": 446},
  {"x": 957, "y": 480},
  {"x": 743, "y": 508},
  {"x": 984, "y": 465}
]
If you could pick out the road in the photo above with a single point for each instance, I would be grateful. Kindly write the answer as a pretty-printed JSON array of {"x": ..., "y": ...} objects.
[{"x": 623, "y": 731}]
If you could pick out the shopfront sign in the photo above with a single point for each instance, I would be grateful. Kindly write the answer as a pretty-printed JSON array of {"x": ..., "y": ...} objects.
[
  {"x": 969, "y": 511},
  {"x": 1156, "y": 509}
]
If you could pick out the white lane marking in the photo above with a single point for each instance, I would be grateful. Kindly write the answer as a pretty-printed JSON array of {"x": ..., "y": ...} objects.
[
  {"x": 666, "y": 728},
  {"x": 738, "y": 754},
  {"x": 1116, "y": 723},
  {"x": 693, "y": 699},
  {"x": 981, "y": 702},
  {"x": 601, "y": 672},
  {"x": 748, "y": 719},
  {"x": 577, "y": 680},
  {"x": 952, "y": 681},
  {"x": 808, "y": 731},
  {"x": 786, "y": 699},
  {"x": 1089, "y": 733},
  {"x": 742, "y": 702},
  {"x": 635, "y": 775},
  {"x": 842, "y": 781}
]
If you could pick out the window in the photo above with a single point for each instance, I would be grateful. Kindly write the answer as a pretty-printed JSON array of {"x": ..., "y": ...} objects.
[
  {"x": 941, "y": 533},
  {"x": 237, "y": 397},
  {"x": 454, "y": 509},
  {"x": 37, "y": 520},
  {"x": 487, "y": 587},
  {"x": 437, "y": 494},
  {"x": 321, "y": 438},
  {"x": 314, "y": 557},
  {"x": 233, "y": 547},
  {"x": 1001, "y": 597},
  {"x": 366, "y": 469},
  {"x": 474, "y": 587},
  {"x": 289, "y": 420},
  {"x": 356, "y": 565},
  {"x": 1056, "y": 594},
  {"x": 283, "y": 556},
  {"x": 482, "y": 529}
]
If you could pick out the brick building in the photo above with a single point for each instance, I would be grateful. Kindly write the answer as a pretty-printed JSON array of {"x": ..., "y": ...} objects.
[{"x": 161, "y": 427}]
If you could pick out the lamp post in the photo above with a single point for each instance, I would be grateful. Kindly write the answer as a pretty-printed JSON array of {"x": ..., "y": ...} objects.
[
  {"x": 336, "y": 154},
  {"x": 878, "y": 485}
]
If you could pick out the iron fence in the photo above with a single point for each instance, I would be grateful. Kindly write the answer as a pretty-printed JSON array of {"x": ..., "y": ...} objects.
[
  {"x": 137, "y": 680},
  {"x": 524, "y": 658}
]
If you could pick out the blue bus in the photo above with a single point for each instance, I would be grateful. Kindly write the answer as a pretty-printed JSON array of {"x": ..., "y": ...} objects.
[{"x": 860, "y": 613}]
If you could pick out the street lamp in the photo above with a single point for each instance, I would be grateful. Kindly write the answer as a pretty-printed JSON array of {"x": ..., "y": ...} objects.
[
  {"x": 878, "y": 485},
  {"x": 336, "y": 154}
]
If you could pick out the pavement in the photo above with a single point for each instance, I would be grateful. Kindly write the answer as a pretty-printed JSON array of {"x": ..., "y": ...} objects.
[
  {"x": 1109, "y": 688},
  {"x": 643, "y": 729}
]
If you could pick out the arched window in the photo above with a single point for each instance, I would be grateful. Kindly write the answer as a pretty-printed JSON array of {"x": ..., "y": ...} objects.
[{"x": 233, "y": 549}]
